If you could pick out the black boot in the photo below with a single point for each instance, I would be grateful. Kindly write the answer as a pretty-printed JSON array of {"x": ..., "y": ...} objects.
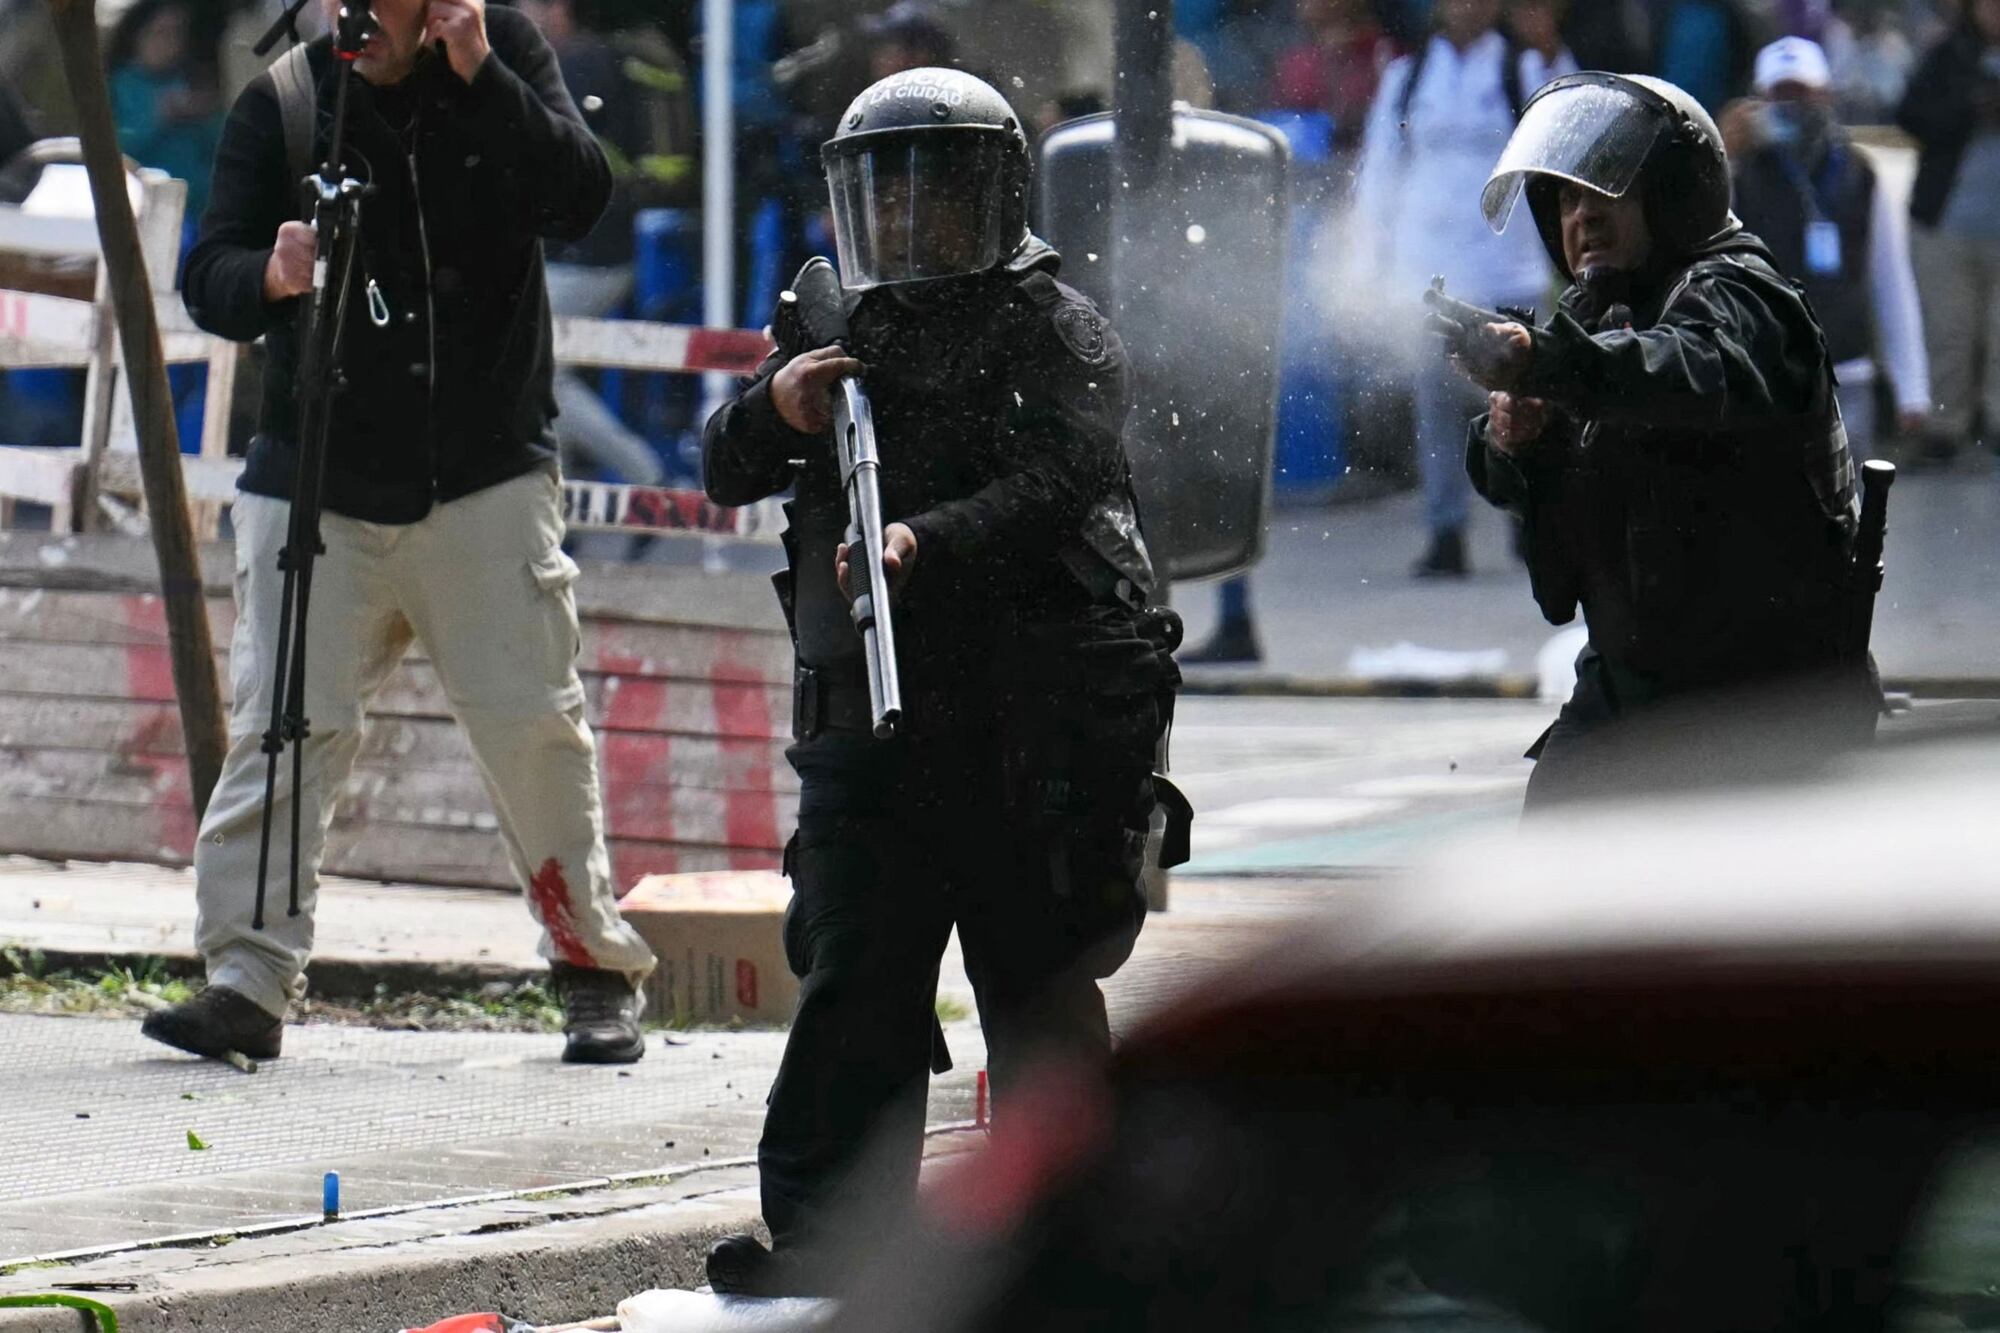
[
  {"x": 216, "y": 1022},
  {"x": 740, "y": 1265},
  {"x": 600, "y": 1016},
  {"x": 1445, "y": 558},
  {"x": 1234, "y": 640}
]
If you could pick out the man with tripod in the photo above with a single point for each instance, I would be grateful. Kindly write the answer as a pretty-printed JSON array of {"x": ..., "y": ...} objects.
[{"x": 441, "y": 514}]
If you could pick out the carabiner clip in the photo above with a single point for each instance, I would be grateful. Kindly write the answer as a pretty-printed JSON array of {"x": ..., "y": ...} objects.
[{"x": 378, "y": 306}]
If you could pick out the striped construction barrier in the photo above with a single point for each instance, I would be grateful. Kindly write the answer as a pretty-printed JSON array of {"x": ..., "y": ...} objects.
[{"x": 687, "y": 682}]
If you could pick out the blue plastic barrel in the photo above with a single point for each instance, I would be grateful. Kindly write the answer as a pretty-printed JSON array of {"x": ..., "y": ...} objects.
[
  {"x": 1311, "y": 444},
  {"x": 666, "y": 287}
]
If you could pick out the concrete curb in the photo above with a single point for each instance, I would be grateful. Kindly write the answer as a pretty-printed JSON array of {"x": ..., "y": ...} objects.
[
  {"x": 545, "y": 1256},
  {"x": 549, "y": 1268},
  {"x": 1228, "y": 683},
  {"x": 344, "y": 979}
]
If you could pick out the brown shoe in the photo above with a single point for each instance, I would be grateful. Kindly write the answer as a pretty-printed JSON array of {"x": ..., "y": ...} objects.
[{"x": 215, "y": 1022}]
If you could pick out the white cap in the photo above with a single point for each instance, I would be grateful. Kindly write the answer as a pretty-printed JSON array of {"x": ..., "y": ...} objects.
[{"x": 1792, "y": 60}]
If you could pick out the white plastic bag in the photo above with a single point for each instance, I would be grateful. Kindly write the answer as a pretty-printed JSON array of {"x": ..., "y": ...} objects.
[{"x": 703, "y": 1312}]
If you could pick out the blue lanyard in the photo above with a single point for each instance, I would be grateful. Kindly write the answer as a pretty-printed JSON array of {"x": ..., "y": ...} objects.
[{"x": 1813, "y": 189}]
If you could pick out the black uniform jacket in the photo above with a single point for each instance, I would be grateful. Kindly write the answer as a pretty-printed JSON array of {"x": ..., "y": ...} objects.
[
  {"x": 1694, "y": 492},
  {"x": 999, "y": 414},
  {"x": 453, "y": 395}
]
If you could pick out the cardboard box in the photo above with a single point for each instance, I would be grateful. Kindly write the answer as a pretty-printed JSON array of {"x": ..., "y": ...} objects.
[{"x": 720, "y": 940}]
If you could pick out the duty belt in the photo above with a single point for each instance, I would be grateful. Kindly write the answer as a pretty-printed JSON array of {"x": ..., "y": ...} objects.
[{"x": 829, "y": 700}]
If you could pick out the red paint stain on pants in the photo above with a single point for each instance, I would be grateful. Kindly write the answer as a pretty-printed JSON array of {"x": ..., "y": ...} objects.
[{"x": 550, "y": 892}]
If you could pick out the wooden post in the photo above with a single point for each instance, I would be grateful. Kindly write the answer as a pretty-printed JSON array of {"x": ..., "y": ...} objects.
[{"x": 193, "y": 651}]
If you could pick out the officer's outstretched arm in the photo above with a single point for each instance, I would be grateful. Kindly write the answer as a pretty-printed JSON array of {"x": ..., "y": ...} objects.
[
  {"x": 1719, "y": 355},
  {"x": 1060, "y": 448},
  {"x": 747, "y": 450}
]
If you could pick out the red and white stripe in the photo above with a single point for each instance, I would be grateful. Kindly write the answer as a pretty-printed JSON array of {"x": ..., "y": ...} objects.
[
  {"x": 727, "y": 803},
  {"x": 600, "y": 506}
]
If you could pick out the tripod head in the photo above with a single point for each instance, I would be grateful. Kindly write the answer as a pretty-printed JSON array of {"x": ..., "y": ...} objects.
[{"x": 353, "y": 28}]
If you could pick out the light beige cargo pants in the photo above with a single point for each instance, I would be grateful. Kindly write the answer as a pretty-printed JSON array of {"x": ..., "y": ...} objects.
[{"x": 483, "y": 584}]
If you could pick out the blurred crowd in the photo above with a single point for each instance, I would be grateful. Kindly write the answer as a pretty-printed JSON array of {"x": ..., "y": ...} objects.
[{"x": 1400, "y": 107}]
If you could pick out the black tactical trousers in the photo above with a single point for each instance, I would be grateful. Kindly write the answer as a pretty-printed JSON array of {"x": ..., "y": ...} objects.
[{"x": 897, "y": 842}]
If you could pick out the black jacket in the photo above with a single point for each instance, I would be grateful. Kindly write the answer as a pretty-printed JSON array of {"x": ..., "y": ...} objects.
[
  {"x": 1777, "y": 196},
  {"x": 454, "y": 394},
  {"x": 999, "y": 417},
  {"x": 1938, "y": 111},
  {"x": 1694, "y": 494}
]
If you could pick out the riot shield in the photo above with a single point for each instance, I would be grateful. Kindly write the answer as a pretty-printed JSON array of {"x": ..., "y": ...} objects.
[{"x": 1194, "y": 284}]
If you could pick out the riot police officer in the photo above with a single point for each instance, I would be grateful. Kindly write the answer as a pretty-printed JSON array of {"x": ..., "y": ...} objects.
[
  {"x": 1036, "y": 681},
  {"x": 1672, "y": 441}
]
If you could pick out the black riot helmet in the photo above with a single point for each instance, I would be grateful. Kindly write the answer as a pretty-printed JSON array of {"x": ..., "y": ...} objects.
[
  {"x": 928, "y": 174},
  {"x": 1610, "y": 133}
]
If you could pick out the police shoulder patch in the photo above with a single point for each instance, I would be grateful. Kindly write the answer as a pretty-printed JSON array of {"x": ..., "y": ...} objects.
[{"x": 1083, "y": 331}]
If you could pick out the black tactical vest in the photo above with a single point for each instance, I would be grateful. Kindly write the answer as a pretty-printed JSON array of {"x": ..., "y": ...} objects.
[
  {"x": 1779, "y": 203},
  {"x": 936, "y": 387},
  {"x": 1708, "y": 558}
]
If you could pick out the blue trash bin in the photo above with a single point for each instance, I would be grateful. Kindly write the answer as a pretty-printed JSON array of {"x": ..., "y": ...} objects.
[
  {"x": 1310, "y": 449},
  {"x": 666, "y": 287}
]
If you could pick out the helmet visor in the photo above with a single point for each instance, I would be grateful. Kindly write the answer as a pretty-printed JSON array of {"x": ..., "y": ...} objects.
[
  {"x": 1598, "y": 135},
  {"x": 916, "y": 207}
]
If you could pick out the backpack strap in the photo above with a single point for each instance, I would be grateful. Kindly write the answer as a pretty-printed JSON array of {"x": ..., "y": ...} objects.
[
  {"x": 291, "y": 76},
  {"x": 1510, "y": 82},
  {"x": 1418, "y": 58},
  {"x": 1510, "y": 76}
]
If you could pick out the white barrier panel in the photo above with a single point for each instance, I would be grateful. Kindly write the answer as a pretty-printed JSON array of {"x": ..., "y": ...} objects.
[
  {"x": 41, "y": 331},
  {"x": 597, "y": 506}
]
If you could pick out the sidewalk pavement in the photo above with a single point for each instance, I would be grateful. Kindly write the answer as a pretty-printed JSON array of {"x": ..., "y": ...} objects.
[
  {"x": 96, "y": 1153},
  {"x": 1304, "y": 802},
  {"x": 1334, "y": 597}
]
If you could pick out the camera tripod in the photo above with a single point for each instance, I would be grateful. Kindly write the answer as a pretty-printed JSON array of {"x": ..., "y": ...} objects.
[{"x": 336, "y": 219}]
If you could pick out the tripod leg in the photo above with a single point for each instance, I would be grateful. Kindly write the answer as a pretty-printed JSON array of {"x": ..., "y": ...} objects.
[
  {"x": 274, "y": 737},
  {"x": 264, "y": 837},
  {"x": 298, "y": 800},
  {"x": 299, "y": 725}
]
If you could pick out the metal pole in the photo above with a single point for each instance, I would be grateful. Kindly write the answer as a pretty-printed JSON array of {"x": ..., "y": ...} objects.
[
  {"x": 1141, "y": 187},
  {"x": 718, "y": 181},
  {"x": 190, "y": 646},
  {"x": 1141, "y": 167}
]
